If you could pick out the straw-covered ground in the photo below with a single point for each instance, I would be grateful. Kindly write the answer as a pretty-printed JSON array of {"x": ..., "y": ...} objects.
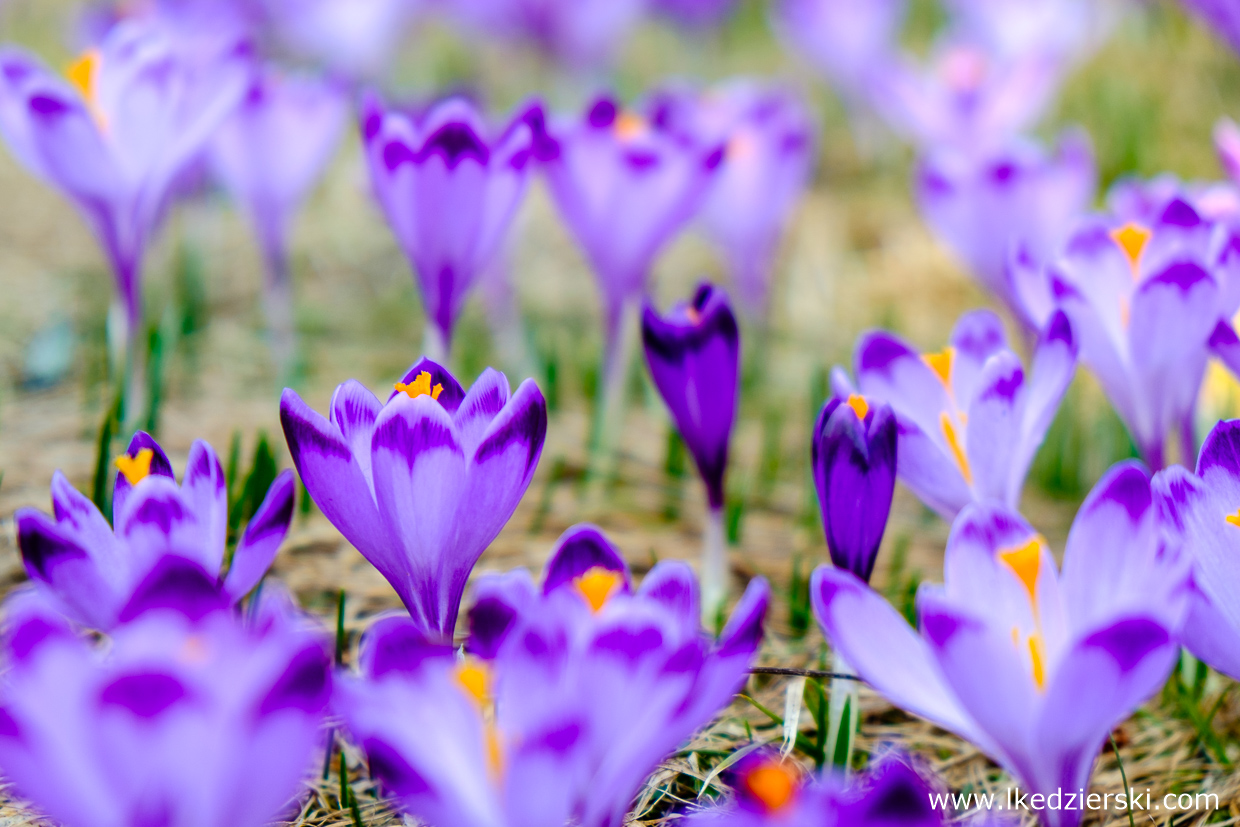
[{"x": 857, "y": 257}]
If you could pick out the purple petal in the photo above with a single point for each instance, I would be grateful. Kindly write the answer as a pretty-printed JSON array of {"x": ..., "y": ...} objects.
[
  {"x": 304, "y": 685},
  {"x": 145, "y": 695},
  {"x": 673, "y": 584},
  {"x": 175, "y": 584},
  {"x": 993, "y": 435},
  {"x": 396, "y": 644},
  {"x": 581, "y": 548},
  {"x": 262, "y": 538}
]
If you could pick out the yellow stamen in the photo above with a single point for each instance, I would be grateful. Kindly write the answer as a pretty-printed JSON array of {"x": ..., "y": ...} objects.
[
  {"x": 953, "y": 442},
  {"x": 772, "y": 783},
  {"x": 83, "y": 74},
  {"x": 1037, "y": 655},
  {"x": 138, "y": 468},
  {"x": 857, "y": 402},
  {"x": 941, "y": 364},
  {"x": 475, "y": 679},
  {"x": 1234, "y": 519},
  {"x": 629, "y": 126},
  {"x": 1132, "y": 239},
  {"x": 420, "y": 386},
  {"x": 596, "y": 585},
  {"x": 1025, "y": 562}
]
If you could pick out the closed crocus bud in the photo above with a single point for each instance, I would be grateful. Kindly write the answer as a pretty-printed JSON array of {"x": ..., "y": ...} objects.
[{"x": 854, "y": 461}]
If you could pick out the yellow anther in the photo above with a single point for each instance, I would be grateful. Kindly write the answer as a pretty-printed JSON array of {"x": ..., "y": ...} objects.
[
  {"x": 1132, "y": 239},
  {"x": 420, "y": 386},
  {"x": 1234, "y": 519},
  {"x": 773, "y": 783},
  {"x": 475, "y": 679},
  {"x": 953, "y": 442},
  {"x": 857, "y": 402},
  {"x": 597, "y": 585},
  {"x": 83, "y": 74},
  {"x": 629, "y": 126},
  {"x": 1037, "y": 656},
  {"x": 138, "y": 468},
  {"x": 941, "y": 364},
  {"x": 1025, "y": 561}
]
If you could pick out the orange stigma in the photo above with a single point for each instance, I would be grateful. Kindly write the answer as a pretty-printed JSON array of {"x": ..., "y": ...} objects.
[
  {"x": 630, "y": 127},
  {"x": 773, "y": 783},
  {"x": 1132, "y": 239},
  {"x": 83, "y": 75},
  {"x": 1025, "y": 562},
  {"x": 941, "y": 364},
  {"x": 138, "y": 468},
  {"x": 475, "y": 679},
  {"x": 1234, "y": 519},
  {"x": 597, "y": 585},
  {"x": 420, "y": 386},
  {"x": 857, "y": 402},
  {"x": 1037, "y": 657},
  {"x": 953, "y": 443}
]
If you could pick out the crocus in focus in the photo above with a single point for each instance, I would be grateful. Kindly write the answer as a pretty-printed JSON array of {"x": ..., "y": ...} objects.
[
  {"x": 969, "y": 420},
  {"x": 1034, "y": 666},
  {"x": 90, "y": 570},
  {"x": 771, "y": 790},
  {"x": 1006, "y": 212},
  {"x": 582, "y": 687},
  {"x": 1149, "y": 295},
  {"x": 1203, "y": 510},
  {"x": 269, "y": 154},
  {"x": 188, "y": 718},
  {"x": 114, "y": 135},
  {"x": 693, "y": 353},
  {"x": 770, "y": 145},
  {"x": 422, "y": 483},
  {"x": 449, "y": 185},
  {"x": 846, "y": 40}
]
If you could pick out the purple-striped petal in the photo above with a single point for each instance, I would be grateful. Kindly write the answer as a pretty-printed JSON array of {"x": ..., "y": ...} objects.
[{"x": 262, "y": 538}]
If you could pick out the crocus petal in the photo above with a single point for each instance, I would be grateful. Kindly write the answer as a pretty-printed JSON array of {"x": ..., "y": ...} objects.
[
  {"x": 78, "y": 516},
  {"x": 994, "y": 427},
  {"x": 674, "y": 584},
  {"x": 928, "y": 472},
  {"x": 160, "y": 467},
  {"x": 1211, "y": 636},
  {"x": 354, "y": 410},
  {"x": 262, "y": 538},
  {"x": 86, "y": 592},
  {"x": 580, "y": 549},
  {"x": 1054, "y": 365},
  {"x": 394, "y": 643},
  {"x": 158, "y": 519},
  {"x": 452, "y": 394},
  {"x": 176, "y": 584},
  {"x": 499, "y": 600},
  {"x": 485, "y": 399},
  {"x": 976, "y": 336},
  {"x": 205, "y": 489},
  {"x": 891, "y": 370}
]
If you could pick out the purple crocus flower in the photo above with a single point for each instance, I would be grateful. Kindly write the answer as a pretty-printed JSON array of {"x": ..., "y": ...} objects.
[
  {"x": 1222, "y": 17},
  {"x": 854, "y": 463},
  {"x": 1009, "y": 211},
  {"x": 423, "y": 483},
  {"x": 969, "y": 423},
  {"x": 355, "y": 39},
  {"x": 1203, "y": 510},
  {"x": 771, "y": 790},
  {"x": 844, "y": 39},
  {"x": 189, "y": 718},
  {"x": 625, "y": 185},
  {"x": 114, "y": 137},
  {"x": 770, "y": 139},
  {"x": 1032, "y": 665},
  {"x": 90, "y": 570},
  {"x": 449, "y": 185},
  {"x": 269, "y": 154},
  {"x": 1149, "y": 294},
  {"x": 587, "y": 686}
]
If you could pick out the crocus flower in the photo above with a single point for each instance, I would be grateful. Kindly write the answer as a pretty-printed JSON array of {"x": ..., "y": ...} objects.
[
  {"x": 131, "y": 116},
  {"x": 587, "y": 687},
  {"x": 269, "y": 154},
  {"x": 355, "y": 39},
  {"x": 1149, "y": 294},
  {"x": 969, "y": 423},
  {"x": 189, "y": 718},
  {"x": 846, "y": 40},
  {"x": 694, "y": 357},
  {"x": 770, "y": 140},
  {"x": 771, "y": 790},
  {"x": 90, "y": 570},
  {"x": 1221, "y": 17},
  {"x": 1032, "y": 665},
  {"x": 854, "y": 463},
  {"x": 423, "y": 483},
  {"x": 626, "y": 186},
  {"x": 449, "y": 185},
  {"x": 1203, "y": 510},
  {"x": 1018, "y": 202}
]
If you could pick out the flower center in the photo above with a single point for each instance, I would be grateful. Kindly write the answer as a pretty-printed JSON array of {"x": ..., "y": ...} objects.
[
  {"x": 857, "y": 402},
  {"x": 1132, "y": 239},
  {"x": 597, "y": 585},
  {"x": 630, "y": 127},
  {"x": 941, "y": 363},
  {"x": 772, "y": 783},
  {"x": 420, "y": 386},
  {"x": 138, "y": 468}
]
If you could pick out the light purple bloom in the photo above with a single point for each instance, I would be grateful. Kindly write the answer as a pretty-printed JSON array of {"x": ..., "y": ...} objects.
[
  {"x": 588, "y": 685},
  {"x": 1203, "y": 509},
  {"x": 969, "y": 421},
  {"x": 423, "y": 483},
  {"x": 188, "y": 718},
  {"x": 770, "y": 139},
  {"x": 1222, "y": 17},
  {"x": 354, "y": 38},
  {"x": 135, "y": 114},
  {"x": 1003, "y": 212},
  {"x": 580, "y": 34},
  {"x": 771, "y": 791},
  {"x": 1068, "y": 30},
  {"x": 626, "y": 186},
  {"x": 853, "y": 458},
  {"x": 1149, "y": 292},
  {"x": 1032, "y": 665},
  {"x": 846, "y": 40},
  {"x": 450, "y": 186},
  {"x": 693, "y": 353},
  {"x": 90, "y": 570}
]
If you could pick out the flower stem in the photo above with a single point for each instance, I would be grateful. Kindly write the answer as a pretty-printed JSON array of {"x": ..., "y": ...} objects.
[
  {"x": 610, "y": 402},
  {"x": 434, "y": 345},
  {"x": 714, "y": 577},
  {"x": 278, "y": 308},
  {"x": 842, "y": 712}
]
